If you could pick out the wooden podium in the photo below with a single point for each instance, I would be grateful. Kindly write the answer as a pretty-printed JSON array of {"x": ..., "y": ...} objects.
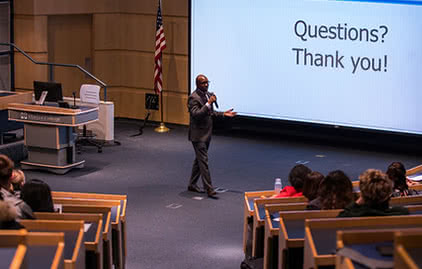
[{"x": 49, "y": 135}]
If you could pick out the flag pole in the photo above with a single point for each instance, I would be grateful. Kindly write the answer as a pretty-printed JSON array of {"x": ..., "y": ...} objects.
[
  {"x": 160, "y": 45},
  {"x": 162, "y": 128}
]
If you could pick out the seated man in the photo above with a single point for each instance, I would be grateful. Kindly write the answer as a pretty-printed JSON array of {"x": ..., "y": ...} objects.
[
  {"x": 6, "y": 177},
  {"x": 375, "y": 190}
]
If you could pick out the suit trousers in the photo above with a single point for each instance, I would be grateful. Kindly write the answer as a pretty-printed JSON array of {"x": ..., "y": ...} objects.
[{"x": 200, "y": 165}]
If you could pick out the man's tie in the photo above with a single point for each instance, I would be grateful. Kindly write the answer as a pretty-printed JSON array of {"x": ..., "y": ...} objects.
[{"x": 204, "y": 98}]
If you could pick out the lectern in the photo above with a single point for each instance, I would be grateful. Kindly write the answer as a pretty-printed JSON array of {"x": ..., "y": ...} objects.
[{"x": 49, "y": 135}]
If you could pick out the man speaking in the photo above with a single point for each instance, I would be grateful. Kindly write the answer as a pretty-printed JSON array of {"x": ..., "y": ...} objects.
[{"x": 200, "y": 105}]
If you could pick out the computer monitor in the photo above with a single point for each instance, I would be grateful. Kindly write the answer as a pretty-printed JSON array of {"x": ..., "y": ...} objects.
[{"x": 54, "y": 91}]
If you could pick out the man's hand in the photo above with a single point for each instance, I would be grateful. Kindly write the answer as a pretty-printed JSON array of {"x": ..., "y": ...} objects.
[
  {"x": 212, "y": 99},
  {"x": 230, "y": 113}
]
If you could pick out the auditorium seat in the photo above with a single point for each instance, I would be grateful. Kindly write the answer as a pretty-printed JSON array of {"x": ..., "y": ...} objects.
[
  {"x": 23, "y": 249},
  {"x": 406, "y": 200},
  {"x": 270, "y": 235},
  {"x": 74, "y": 248},
  {"x": 106, "y": 229},
  {"x": 357, "y": 248},
  {"x": 259, "y": 220},
  {"x": 248, "y": 213},
  {"x": 115, "y": 207},
  {"x": 284, "y": 235},
  {"x": 320, "y": 234},
  {"x": 101, "y": 196},
  {"x": 408, "y": 249},
  {"x": 93, "y": 225}
]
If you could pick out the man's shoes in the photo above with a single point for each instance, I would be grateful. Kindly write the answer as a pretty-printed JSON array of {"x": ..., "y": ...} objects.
[
  {"x": 195, "y": 189},
  {"x": 212, "y": 194}
]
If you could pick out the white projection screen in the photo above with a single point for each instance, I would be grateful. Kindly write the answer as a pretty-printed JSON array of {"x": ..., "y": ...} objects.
[{"x": 337, "y": 62}]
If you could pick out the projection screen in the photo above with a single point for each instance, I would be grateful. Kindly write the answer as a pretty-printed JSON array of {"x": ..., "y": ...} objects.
[{"x": 338, "y": 62}]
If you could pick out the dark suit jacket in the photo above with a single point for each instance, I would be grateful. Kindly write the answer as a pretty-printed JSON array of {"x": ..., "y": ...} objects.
[{"x": 200, "y": 126}]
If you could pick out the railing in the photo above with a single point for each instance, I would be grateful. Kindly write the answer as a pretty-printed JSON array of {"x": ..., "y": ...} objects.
[{"x": 51, "y": 67}]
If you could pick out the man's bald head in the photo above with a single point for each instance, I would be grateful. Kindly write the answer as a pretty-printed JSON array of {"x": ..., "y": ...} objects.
[{"x": 202, "y": 82}]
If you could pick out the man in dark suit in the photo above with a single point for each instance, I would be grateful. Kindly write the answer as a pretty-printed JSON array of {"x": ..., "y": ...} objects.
[{"x": 200, "y": 105}]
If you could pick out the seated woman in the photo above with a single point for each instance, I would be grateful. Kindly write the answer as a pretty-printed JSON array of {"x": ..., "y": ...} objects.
[
  {"x": 375, "y": 190},
  {"x": 297, "y": 177},
  {"x": 37, "y": 194},
  {"x": 18, "y": 180},
  {"x": 311, "y": 185},
  {"x": 397, "y": 173},
  {"x": 335, "y": 192}
]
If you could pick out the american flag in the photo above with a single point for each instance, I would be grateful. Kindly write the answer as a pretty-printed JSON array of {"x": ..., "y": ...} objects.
[{"x": 160, "y": 45}]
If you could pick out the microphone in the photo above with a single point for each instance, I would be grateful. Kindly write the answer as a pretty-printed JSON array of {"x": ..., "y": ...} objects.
[
  {"x": 211, "y": 94},
  {"x": 74, "y": 100}
]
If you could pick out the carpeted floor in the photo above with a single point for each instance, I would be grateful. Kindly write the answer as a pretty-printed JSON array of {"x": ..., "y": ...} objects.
[{"x": 169, "y": 227}]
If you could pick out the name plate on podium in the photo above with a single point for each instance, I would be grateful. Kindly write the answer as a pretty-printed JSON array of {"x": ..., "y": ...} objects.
[{"x": 51, "y": 115}]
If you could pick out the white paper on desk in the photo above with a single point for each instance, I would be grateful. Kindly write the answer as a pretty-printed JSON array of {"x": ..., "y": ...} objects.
[
  {"x": 415, "y": 177},
  {"x": 42, "y": 98},
  {"x": 87, "y": 226},
  {"x": 58, "y": 208}
]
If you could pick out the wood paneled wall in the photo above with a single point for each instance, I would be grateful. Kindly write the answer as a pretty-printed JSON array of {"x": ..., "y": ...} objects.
[{"x": 123, "y": 34}]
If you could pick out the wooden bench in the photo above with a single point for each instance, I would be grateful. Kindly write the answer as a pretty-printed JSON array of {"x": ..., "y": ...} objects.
[
  {"x": 258, "y": 228},
  {"x": 74, "y": 248},
  {"x": 93, "y": 225},
  {"x": 408, "y": 249},
  {"x": 115, "y": 207},
  {"x": 406, "y": 200},
  {"x": 272, "y": 215},
  {"x": 366, "y": 245},
  {"x": 100, "y": 196},
  {"x": 31, "y": 250},
  {"x": 12, "y": 248},
  {"x": 320, "y": 234},
  {"x": 105, "y": 211},
  {"x": 289, "y": 230},
  {"x": 248, "y": 214},
  {"x": 25, "y": 249}
]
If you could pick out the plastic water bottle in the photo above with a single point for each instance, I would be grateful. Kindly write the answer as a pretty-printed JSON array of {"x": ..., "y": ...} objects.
[{"x": 277, "y": 186}]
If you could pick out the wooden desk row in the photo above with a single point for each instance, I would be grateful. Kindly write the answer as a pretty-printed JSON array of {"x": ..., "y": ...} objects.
[
  {"x": 92, "y": 226},
  {"x": 310, "y": 236},
  {"x": 321, "y": 235},
  {"x": 22, "y": 249},
  {"x": 404, "y": 244},
  {"x": 113, "y": 209},
  {"x": 259, "y": 224},
  {"x": 45, "y": 244}
]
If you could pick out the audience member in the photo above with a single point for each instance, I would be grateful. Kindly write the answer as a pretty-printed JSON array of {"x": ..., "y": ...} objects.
[
  {"x": 18, "y": 179},
  {"x": 397, "y": 173},
  {"x": 297, "y": 177},
  {"x": 311, "y": 185},
  {"x": 6, "y": 172},
  {"x": 37, "y": 194},
  {"x": 335, "y": 192},
  {"x": 8, "y": 216},
  {"x": 375, "y": 189}
]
